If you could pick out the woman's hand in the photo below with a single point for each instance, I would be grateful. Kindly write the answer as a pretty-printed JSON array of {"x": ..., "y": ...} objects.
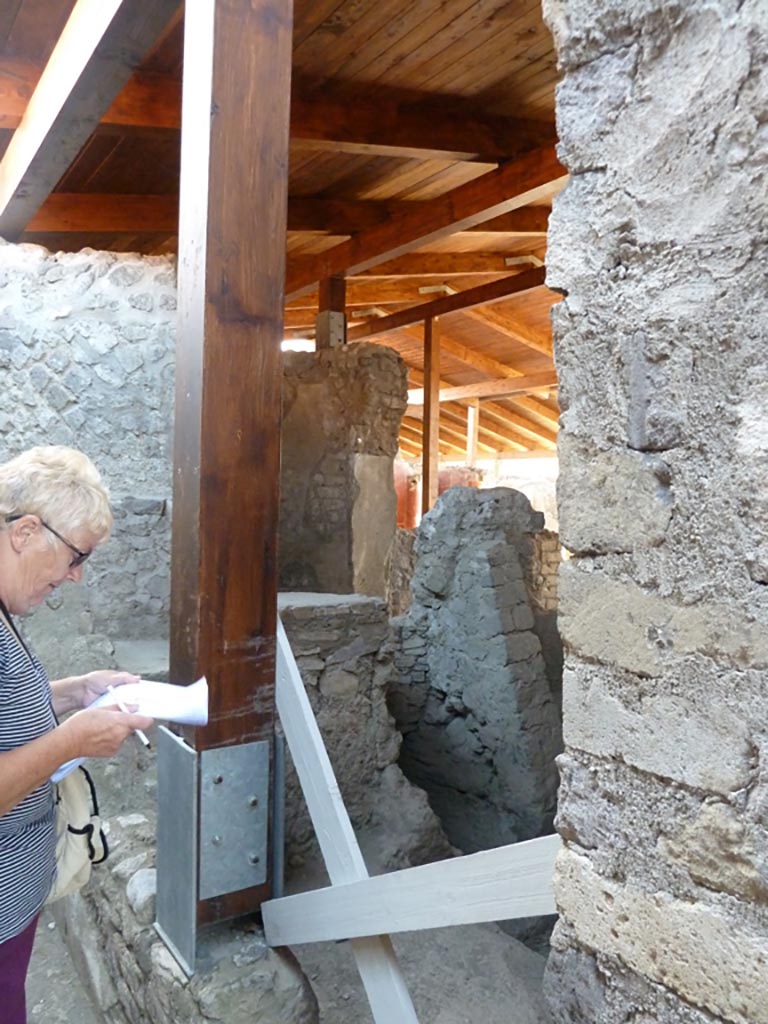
[
  {"x": 77, "y": 692},
  {"x": 94, "y": 684},
  {"x": 100, "y": 732}
]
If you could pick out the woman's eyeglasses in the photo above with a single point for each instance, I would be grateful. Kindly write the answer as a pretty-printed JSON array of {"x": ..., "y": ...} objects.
[{"x": 80, "y": 556}]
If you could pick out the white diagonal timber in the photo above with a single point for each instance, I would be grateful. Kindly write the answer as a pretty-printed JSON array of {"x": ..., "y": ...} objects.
[
  {"x": 493, "y": 885},
  {"x": 101, "y": 44},
  {"x": 376, "y": 961}
]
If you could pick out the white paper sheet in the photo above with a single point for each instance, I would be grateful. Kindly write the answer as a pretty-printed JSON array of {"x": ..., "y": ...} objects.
[{"x": 187, "y": 705}]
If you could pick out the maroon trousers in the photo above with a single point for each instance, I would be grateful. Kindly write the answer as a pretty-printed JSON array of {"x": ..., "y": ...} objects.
[{"x": 14, "y": 961}]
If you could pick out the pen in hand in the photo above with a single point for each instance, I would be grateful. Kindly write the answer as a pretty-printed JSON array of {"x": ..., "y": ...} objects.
[{"x": 138, "y": 732}]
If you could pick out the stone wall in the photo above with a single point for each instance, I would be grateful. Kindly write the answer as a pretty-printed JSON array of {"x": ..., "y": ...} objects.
[
  {"x": 658, "y": 245},
  {"x": 540, "y": 558},
  {"x": 87, "y": 359},
  {"x": 341, "y": 648},
  {"x": 87, "y": 355},
  {"x": 341, "y": 415},
  {"x": 481, "y": 728}
]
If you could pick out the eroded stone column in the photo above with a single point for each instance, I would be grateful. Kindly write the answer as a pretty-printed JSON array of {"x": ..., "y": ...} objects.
[
  {"x": 338, "y": 509},
  {"x": 481, "y": 729},
  {"x": 658, "y": 245}
]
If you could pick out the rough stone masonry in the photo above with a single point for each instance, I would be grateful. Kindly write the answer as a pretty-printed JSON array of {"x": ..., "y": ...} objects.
[
  {"x": 481, "y": 728},
  {"x": 658, "y": 245}
]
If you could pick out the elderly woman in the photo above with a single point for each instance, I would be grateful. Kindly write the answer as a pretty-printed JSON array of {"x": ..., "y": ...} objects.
[{"x": 54, "y": 511}]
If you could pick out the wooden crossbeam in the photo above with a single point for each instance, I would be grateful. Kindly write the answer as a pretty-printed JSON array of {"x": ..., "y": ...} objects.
[
  {"x": 493, "y": 885},
  {"x": 366, "y": 293},
  {"x": 490, "y": 388},
  {"x": 83, "y": 212},
  {"x": 375, "y": 957},
  {"x": 502, "y": 321},
  {"x": 353, "y": 123},
  {"x": 458, "y": 412},
  {"x": 438, "y": 264},
  {"x": 518, "y": 183},
  {"x": 94, "y": 212},
  {"x": 435, "y": 129},
  {"x": 347, "y": 217},
  {"x": 483, "y": 294},
  {"x": 101, "y": 44}
]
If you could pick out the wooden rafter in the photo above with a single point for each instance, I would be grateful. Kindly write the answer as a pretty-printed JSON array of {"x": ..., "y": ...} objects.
[
  {"x": 500, "y": 320},
  {"x": 457, "y": 412},
  {"x": 353, "y": 123},
  {"x": 435, "y": 129},
  {"x": 102, "y": 43},
  {"x": 93, "y": 212},
  {"x": 515, "y": 184},
  {"x": 483, "y": 294},
  {"x": 491, "y": 388}
]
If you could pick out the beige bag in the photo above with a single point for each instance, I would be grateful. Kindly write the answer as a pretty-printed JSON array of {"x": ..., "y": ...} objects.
[{"x": 80, "y": 841}]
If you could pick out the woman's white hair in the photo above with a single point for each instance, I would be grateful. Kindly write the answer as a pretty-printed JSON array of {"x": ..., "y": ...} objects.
[{"x": 60, "y": 485}]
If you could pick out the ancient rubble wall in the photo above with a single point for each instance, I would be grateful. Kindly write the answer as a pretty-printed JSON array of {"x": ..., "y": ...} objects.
[
  {"x": 341, "y": 645},
  {"x": 341, "y": 416},
  {"x": 658, "y": 244},
  {"x": 480, "y": 726},
  {"x": 87, "y": 356},
  {"x": 87, "y": 359}
]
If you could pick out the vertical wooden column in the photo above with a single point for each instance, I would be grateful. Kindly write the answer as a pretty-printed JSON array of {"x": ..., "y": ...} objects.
[
  {"x": 430, "y": 446},
  {"x": 473, "y": 418},
  {"x": 331, "y": 323},
  {"x": 234, "y": 168}
]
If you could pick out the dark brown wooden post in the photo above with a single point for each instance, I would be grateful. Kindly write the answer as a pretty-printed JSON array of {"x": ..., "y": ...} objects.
[
  {"x": 331, "y": 324},
  {"x": 237, "y": 68},
  {"x": 430, "y": 448}
]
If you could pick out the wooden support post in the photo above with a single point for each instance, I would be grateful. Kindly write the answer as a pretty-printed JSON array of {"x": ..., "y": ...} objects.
[
  {"x": 431, "y": 451},
  {"x": 235, "y": 117},
  {"x": 331, "y": 323},
  {"x": 473, "y": 420}
]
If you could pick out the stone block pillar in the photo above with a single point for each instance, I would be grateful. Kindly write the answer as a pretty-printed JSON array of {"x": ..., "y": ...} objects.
[
  {"x": 338, "y": 513},
  {"x": 658, "y": 247}
]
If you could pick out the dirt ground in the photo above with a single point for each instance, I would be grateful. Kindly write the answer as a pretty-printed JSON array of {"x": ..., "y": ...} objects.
[{"x": 470, "y": 975}]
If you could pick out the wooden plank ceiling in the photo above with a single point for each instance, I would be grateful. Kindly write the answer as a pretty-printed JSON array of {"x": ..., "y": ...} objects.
[{"x": 422, "y": 167}]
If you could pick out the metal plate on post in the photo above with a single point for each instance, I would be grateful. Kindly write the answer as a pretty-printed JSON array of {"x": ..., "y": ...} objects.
[
  {"x": 234, "y": 816},
  {"x": 177, "y": 847}
]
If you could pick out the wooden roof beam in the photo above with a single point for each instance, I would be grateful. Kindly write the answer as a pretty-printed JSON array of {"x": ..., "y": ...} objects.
[
  {"x": 457, "y": 411},
  {"x": 347, "y": 217},
  {"x": 360, "y": 122},
  {"x": 515, "y": 184},
  {"x": 483, "y": 294},
  {"x": 101, "y": 44},
  {"x": 502, "y": 321},
  {"x": 64, "y": 212},
  {"x": 356, "y": 122},
  {"x": 490, "y": 388}
]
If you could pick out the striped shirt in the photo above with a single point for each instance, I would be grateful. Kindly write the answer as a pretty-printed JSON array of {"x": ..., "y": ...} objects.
[{"x": 27, "y": 833}]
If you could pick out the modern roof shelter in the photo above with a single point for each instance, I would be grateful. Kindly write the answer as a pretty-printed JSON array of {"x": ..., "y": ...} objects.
[{"x": 421, "y": 164}]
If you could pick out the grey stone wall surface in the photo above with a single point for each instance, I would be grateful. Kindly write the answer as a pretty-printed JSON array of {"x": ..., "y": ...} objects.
[
  {"x": 658, "y": 245},
  {"x": 87, "y": 360},
  {"x": 341, "y": 645},
  {"x": 338, "y": 510},
  {"x": 480, "y": 726}
]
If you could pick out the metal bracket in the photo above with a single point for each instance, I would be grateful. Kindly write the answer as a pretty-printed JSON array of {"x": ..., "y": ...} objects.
[
  {"x": 177, "y": 784},
  {"x": 230, "y": 785},
  {"x": 234, "y": 817}
]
